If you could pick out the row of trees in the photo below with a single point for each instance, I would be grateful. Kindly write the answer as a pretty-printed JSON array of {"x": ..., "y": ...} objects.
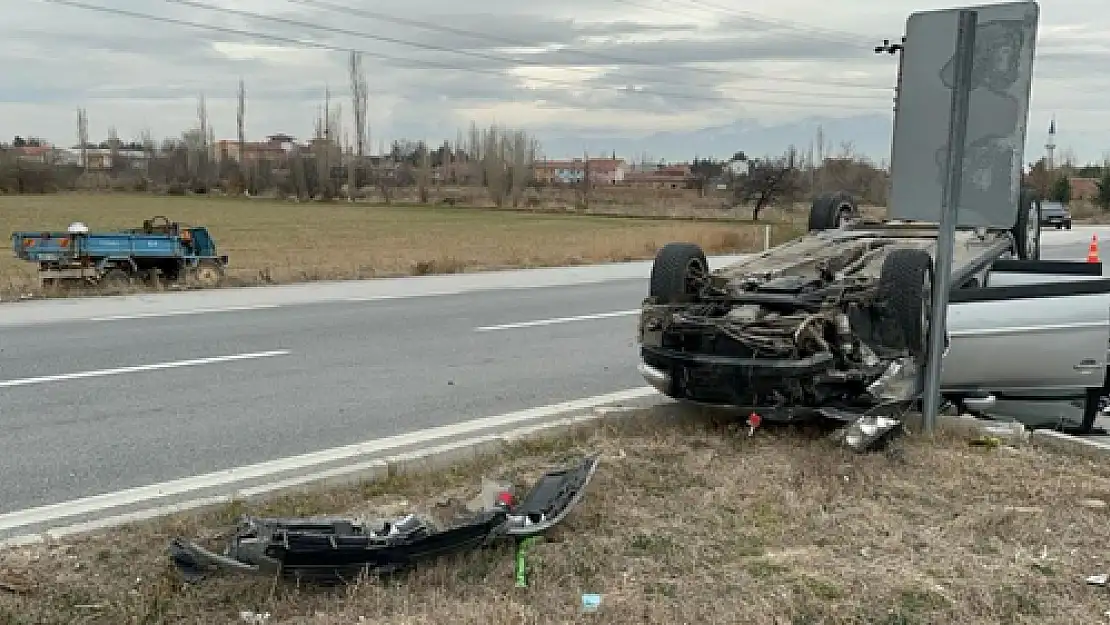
[
  {"x": 790, "y": 177},
  {"x": 500, "y": 160},
  {"x": 1056, "y": 184}
]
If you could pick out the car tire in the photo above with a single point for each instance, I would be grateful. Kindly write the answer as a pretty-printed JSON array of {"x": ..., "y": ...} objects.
[
  {"x": 1091, "y": 410},
  {"x": 829, "y": 210},
  {"x": 905, "y": 286},
  {"x": 1027, "y": 228},
  {"x": 677, "y": 272}
]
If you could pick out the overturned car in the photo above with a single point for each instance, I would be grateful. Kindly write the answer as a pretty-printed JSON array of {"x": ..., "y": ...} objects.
[{"x": 835, "y": 323}]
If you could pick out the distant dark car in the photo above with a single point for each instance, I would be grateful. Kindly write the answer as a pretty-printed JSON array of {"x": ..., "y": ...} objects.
[{"x": 1055, "y": 214}]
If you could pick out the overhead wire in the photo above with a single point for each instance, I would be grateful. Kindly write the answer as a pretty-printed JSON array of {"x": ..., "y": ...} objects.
[
  {"x": 427, "y": 64},
  {"x": 511, "y": 61},
  {"x": 585, "y": 54},
  {"x": 838, "y": 36}
]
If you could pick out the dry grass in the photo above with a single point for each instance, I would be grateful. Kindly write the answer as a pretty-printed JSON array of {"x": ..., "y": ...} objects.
[
  {"x": 697, "y": 523},
  {"x": 1085, "y": 212},
  {"x": 276, "y": 242}
]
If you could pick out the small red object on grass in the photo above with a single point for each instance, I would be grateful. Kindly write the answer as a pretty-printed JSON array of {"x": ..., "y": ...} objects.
[{"x": 753, "y": 422}]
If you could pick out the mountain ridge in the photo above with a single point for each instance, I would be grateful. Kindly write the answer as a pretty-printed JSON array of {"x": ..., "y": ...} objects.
[{"x": 869, "y": 135}]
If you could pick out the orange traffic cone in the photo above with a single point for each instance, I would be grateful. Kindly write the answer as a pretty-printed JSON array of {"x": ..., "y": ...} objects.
[{"x": 1092, "y": 250}]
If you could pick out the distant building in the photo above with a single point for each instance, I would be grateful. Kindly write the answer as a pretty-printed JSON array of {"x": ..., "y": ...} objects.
[
  {"x": 1083, "y": 188},
  {"x": 603, "y": 171},
  {"x": 275, "y": 147},
  {"x": 102, "y": 159},
  {"x": 662, "y": 177}
]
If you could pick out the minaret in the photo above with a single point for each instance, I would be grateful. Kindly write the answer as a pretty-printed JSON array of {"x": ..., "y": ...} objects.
[{"x": 1050, "y": 146}]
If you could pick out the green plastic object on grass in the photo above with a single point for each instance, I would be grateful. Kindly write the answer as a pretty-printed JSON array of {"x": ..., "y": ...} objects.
[{"x": 521, "y": 562}]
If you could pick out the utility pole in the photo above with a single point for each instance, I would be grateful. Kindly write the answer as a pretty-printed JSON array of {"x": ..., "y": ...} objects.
[
  {"x": 899, "y": 49},
  {"x": 894, "y": 48}
]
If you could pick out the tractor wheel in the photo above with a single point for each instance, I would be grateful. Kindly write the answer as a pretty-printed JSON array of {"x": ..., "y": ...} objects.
[
  {"x": 206, "y": 275},
  {"x": 114, "y": 279}
]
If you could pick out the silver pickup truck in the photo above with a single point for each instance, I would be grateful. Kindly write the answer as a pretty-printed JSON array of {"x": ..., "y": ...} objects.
[{"x": 834, "y": 323}]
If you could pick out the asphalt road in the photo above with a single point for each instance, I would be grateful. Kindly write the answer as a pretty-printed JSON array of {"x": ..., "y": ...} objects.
[
  {"x": 100, "y": 396},
  {"x": 352, "y": 372}
]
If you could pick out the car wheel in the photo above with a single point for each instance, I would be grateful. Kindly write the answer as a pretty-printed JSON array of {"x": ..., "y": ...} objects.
[
  {"x": 905, "y": 286},
  {"x": 678, "y": 272},
  {"x": 829, "y": 211},
  {"x": 1027, "y": 228},
  {"x": 1092, "y": 409}
]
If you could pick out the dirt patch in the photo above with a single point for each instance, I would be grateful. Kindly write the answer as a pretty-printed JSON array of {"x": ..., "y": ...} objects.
[
  {"x": 281, "y": 242},
  {"x": 692, "y": 523}
]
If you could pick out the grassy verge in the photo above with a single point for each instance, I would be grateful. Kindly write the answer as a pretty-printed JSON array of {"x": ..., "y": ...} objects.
[
  {"x": 686, "y": 523},
  {"x": 279, "y": 242}
]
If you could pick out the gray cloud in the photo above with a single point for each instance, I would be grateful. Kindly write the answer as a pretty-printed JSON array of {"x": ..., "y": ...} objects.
[{"x": 136, "y": 72}]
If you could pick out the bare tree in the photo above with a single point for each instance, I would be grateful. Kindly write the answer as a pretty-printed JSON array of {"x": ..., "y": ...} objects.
[
  {"x": 584, "y": 186},
  {"x": 113, "y": 149},
  {"x": 83, "y": 137},
  {"x": 423, "y": 172},
  {"x": 493, "y": 164},
  {"x": 523, "y": 156},
  {"x": 201, "y": 172},
  {"x": 767, "y": 181},
  {"x": 240, "y": 127},
  {"x": 359, "y": 98}
]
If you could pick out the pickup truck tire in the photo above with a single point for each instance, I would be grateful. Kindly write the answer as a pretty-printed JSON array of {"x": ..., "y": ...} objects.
[
  {"x": 905, "y": 288},
  {"x": 677, "y": 272},
  {"x": 829, "y": 211},
  {"x": 1027, "y": 228}
]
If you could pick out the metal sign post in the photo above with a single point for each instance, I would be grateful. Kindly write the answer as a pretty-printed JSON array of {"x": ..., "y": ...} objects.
[{"x": 942, "y": 269}]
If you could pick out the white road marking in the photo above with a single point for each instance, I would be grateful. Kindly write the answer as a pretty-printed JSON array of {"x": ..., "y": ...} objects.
[
  {"x": 300, "y": 464},
  {"x": 547, "y": 322},
  {"x": 177, "y": 313},
  {"x": 137, "y": 368}
]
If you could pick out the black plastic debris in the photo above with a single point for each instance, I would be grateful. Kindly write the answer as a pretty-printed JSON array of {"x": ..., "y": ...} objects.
[{"x": 336, "y": 550}]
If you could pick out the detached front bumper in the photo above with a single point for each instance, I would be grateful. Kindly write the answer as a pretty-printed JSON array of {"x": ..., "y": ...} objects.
[{"x": 333, "y": 550}]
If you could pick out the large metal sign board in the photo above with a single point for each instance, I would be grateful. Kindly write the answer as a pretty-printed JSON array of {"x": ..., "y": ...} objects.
[{"x": 1002, "y": 78}]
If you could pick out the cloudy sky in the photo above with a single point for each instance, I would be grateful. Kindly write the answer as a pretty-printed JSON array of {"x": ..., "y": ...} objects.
[{"x": 576, "y": 68}]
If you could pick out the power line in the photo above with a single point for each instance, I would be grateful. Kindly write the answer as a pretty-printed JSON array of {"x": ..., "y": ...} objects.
[
  {"x": 433, "y": 65},
  {"x": 840, "y": 36},
  {"x": 834, "y": 36},
  {"x": 437, "y": 48},
  {"x": 582, "y": 53}
]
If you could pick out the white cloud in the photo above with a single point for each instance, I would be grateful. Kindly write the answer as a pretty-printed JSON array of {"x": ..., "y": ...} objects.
[{"x": 688, "y": 64}]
